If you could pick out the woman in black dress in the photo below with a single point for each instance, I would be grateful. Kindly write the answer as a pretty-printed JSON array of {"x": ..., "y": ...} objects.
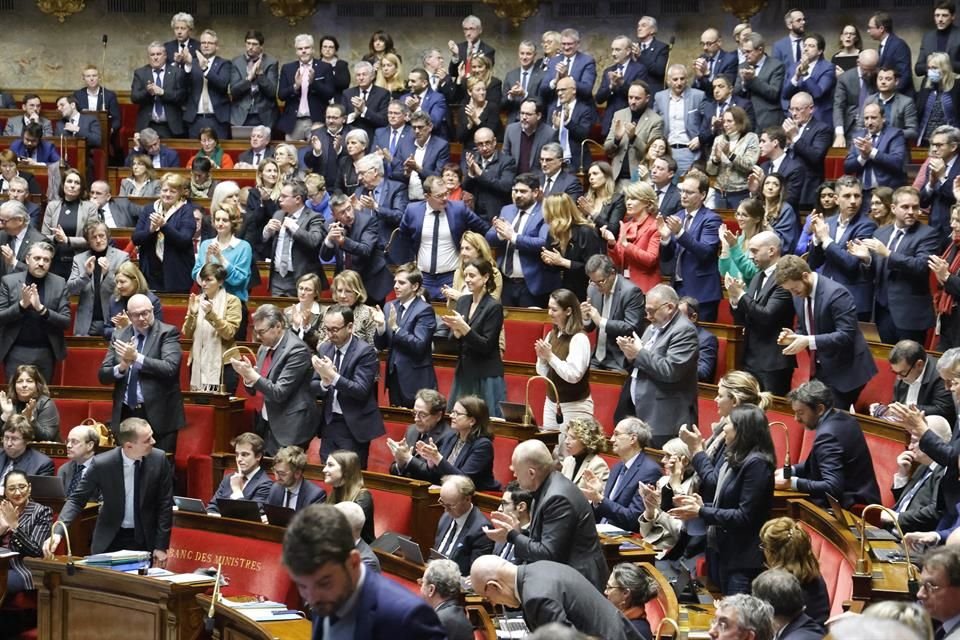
[{"x": 64, "y": 219}]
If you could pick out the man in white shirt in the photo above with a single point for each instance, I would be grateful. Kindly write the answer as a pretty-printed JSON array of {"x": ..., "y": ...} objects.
[
  {"x": 291, "y": 490},
  {"x": 250, "y": 481}
]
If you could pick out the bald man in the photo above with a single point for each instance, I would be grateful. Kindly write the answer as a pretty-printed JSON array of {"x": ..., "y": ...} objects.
[{"x": 571, "y": 120}]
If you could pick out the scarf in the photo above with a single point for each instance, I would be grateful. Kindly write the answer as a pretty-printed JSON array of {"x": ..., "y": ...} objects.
[
  {"x": 200, "y": 190},
  {"x": 943, "y": 302},
  {"x": 158, "y": 207},
  {"x": 216, "y": 157},
  {"x": 206, "y": 355}
]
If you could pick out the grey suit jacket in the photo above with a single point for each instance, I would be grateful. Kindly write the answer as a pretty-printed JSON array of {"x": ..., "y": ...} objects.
[
  {"x": 66, "y": 473},
  {"x": 124, "y": 213},
  {"x": 89, "y": 130},
  {"x": 511, "y": 143},
  {"x": 51, "y": 220},
  {"x": 32, "y": 235},
  {"x": 263, "y": 101},
  {"x": 15, "y": 127},
  {"x": 649, "y": 126},
  {"x": 846, "y": 101},
  {"x": 626, "y": 316},
  {"x": 291, "y": 407},
  {"x": 12, "y": 317},
  {"x": 691, "y": 108},
  {"x": 764, "y": 93},
  {"x": 903, "y": 115},
  {"x": 534, "y": 78},
  {"x": 81, "y": 284}
]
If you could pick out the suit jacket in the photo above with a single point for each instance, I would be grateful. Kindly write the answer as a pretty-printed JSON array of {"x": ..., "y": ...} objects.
[
  {"x": 562, "y": 529},
  {"x": 257, "y": 488},
  {"x": 247, "y": 156},
  {"x": 168, "y": 157},
  {"x": 436, "y": 155},
  {"x": 512, "y": 137},
  {"x": 810, "y": 149},
  {"x": 361, "y": 252},
  {"x": 819, "y": 83},
  {"x": 670, "y": 204},
  {"x": 939, "y": 200},
  {"x": 708, "y": 111},
  {"x": 81, "y": 284},
  {"x": 480, "y": 347},
  {"x": 459, "y": 217},
  {"x": 945, "y": 454},
  {"x": 836, "y": 263},
  {"x": 421, "y": 470},
  {"x": 803, "y": 627},
  {"x": 491, "y": 189},
  {"x": 922, "y": 512},
  {"x": 794, "y": 175},
  {"x": 104, "y": 477},
  {"x": 306, "y": 241},
  {"x": 563, "y": 182},
  {"x": 846, "y": 101},
  {"x": 691, "y": 107},
  {"x": 896, "y": 54},
  {"x": 45, "y": 152},
  {"x": 615, "y": 98},
  {"x": 839, "y": 463},
  {"x": 540, "y": 278},
  {"x": 174, "y": 272},
  {"x": 584, "y": 74},
  {"x": 555, "y": 592},
  {"x": 454, "y": 620},
  {"x": 665, "y": 378},
  {"x": 261, "y": 102},
  {"x": 534, "y": 80},
  {"x": 392, "y": 199},
  {"x": 124, "y": 213},
  {"x": 900, "y": 112},
  {"x": 89, "y": 130},
  {"x": 928, "y": 44},
  {"x": 763, "y": 91},
  {"x": 902, "y": 281},
  {"x": 581, "y": 121},
  {"x": 309, "y": 494},
  {"x": 172, "y": 47},
  {"x": 707, "y": 358},
  {"x": 13, "y": 318},
  {"x": 934, "y": 399},
  {"x": 106, "y": 101},
  {"x": 175, "y": 92},
  {"x": 32, "y": 463},
  {"x": 843, "y": 360},
  {"x": 889, "y": 163},
  {"x": 381, "y": 140},
  {"x": 14, "y": 127},
  {"x": 67, "y": 471},
  {"x": 219, "y": 76},
  {"x": 410, "y": 358},
  {"x": 159, "y": 378},
  {"x": 434, "y": 105},
  {"x": 51, "y": 220},
  {"x": 763, "y": 311},
  {"x": 725, "y": 63},
  {"x": 626, "y": 317},
  {"x": 654, "y": 58},
  {"x": 32, "y": 235},
  {"x": 784, "y": 50},
  {"x": 319, "y": 92},
  {"x": 649, "y": 126},
  {"x": 471, "y": 542},
  {"x": 291, "y": 407},
  {"x": 592, "y": 462},
  {"x": 356, "y": 389},
  {"x": 623, "y": 507},
  {"x": 374, "y": 115},
  {"x": 696, "y": 250}
]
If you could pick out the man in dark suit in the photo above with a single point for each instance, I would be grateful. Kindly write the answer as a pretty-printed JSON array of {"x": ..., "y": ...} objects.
[
  {"x": 571, "y": 119},
  {"x": 839, "y": 463},
  {"x": 894, "y": 51},
  {"x": 294, "y": 235},
  {"x": 518, "y": 503},
  {"x": 782, "y": 590},
  {"x": 878, "y": 155},
  {"x": 553, "y": 177},
  {"x": 709, "y": 345},
  {"x": 942, "y": 170},
  {"x": 773, "y": 147},
  {"x": 420, "y": 156},
  {"x": 523, "y": 82},
  {"x": 713, "y": 62},
  {"x": 562, "y": 526},
  {"x": 352, "y": 243},
  {"x": 549, "y": 592},
  {"x": 808, "y": 140},
  {"x": 147, "y": 142},
  {"x": 828, "y": 246},
  {"x": 945, "y": 37},
  {"x": 250, "y": 481},
  {"x": 327, "y": 144},
  {"x": 918, "y": 382},
  {"x": 488, "y": 174},
  {"x": 814, "y": 76},
  {"x": 143, "y": 365},
  {"x": 616, "y": 79},
  {"x": 305, "y": 87},
  {"x": 618, "y": 502},
  {"x": 34, "y": 313},
  {"x": 853, "y": 87},
  {"x": 282, "y": 376},
  {"x": 524, "y": 139},
  {"x": 651, "y": 53},
  {"x": 898, "y": 110},
  {"x": 119, "y": 213},
  {"x": 420, "y": 97},
  {"x": 430, "y": 424},
  {"x": 254, "y": 86},
  {"x": 260, "y": 148},
  {"x": 460, "y": 534},
  {"x": 209, "y": 78},
  {"x": 81, "y": 444},
  {"x": 760, "y": 79},
  {"x": 160, "y": 89},
  {"x": 916, "y": 483},
  {"x": 614, "y": 307},
  {"x": 762, "y": 308},
  {"x": 692, "y": 237},
  {"x": 16, "y": 454},
  {"x": 17, "y": 237},
  {"x": 662, "y": 389},
  {"x": 405, "y": 327},
  {"x": 520, "y": 234},
  {"x": 896, "y": 257},
  {"x": 570, "y": 63},
  {"x": 711, "y": 111},
  {"x": 95, "y": 97},
  {"x": 365, "y": 103},
  {"x": 789, "y": 49},
  {"x": 387, "y": 140},
  {"x": 291, "y": 490},
  {"x": 668, "y": 195},
  {"x": 440, "y": 587},
  {"x": 346, "y": 373},
  {"x": 133, "y": 474},
  {"x": 183, "y": 46},
  {"x": 319, "y": 549},
  {"x": 77, "y": 125},
  {"x": 385, "y": 200},
  {"x": 828, "y": 328},
  {"x": 470, "y": 48}
]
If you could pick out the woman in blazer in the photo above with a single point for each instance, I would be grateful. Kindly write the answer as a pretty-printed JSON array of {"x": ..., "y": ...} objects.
[
  {"x": 129, "y": 281},
  {"x": 27, "y": 394},
  {"x": 24, "y": 526},
  {"x": 741, "y": 503},
  {"x": 636, "y": 250},
  {"x": 476, "y": 325},
  {"x": 573, "y": 239},
  {"x": 584, "y": 442},
  {"x": 602, "y": 203},
  {"x": 64, "y": 221},
  {"x": 477, "y": 112},
  {"x": 470, "y": 452},
  {"x": 164, "y": 237},
  {"x": 732, "y": 159},
  {"x": 93, "y": 278},
  {"x": 940, "y": 88},
  {"x": 658, "y": 527},
  {"x": 342, "y": 472},
  {"x": 329, "y": 52}
]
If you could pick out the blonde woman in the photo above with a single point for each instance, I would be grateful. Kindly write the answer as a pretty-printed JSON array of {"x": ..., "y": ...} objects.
[
  {"x": 636, "y": 250},
  {"x": 128, "y": 281},
  {"x": 573, "y": 239},
  {"x": 940, "y": 93},
  {"x": 164, "y": 237},
  {"x": 305, "y": 316},
  {"x": 658, "y": 527},
  {"x": 348, "y": 289},
  {"x": 262, "y": 203},
  {"x": 390, "y": 75},
  {"x": 584, "y": 443},
  {"x": 602, "y": 203},
  {"x": 212, "y": 320},
  {"x": 481, "y": 68},
  {"x": 473, "y": 246},
  {"x": 142, "y": 182},
  {"x": 285, "y": 156}
]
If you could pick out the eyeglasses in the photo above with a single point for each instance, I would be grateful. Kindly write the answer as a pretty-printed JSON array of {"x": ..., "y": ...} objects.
[
  {"x": 613, "y": 587},
  {"x": 458, "y": 414},
  {"x": 334, "y": 329},
  {"x": 23, "y": 488},
  {"x": 650, "y": 311},
  {"x": 420, "y": 415},
  {"x": 139, "y": 314},
  {"x": 929, "y": 587},
  {"x": 723, "y": 624},
  {"x": 261, "y": 330}
]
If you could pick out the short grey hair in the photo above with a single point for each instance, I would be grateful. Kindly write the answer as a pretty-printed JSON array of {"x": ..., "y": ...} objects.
[
  {"x": 15, "y": 209},
  {"x": 270, "y": 313},
  {"x": 304, "y": 38},
  {"x": 554, "y": 148},
  {"x": 952, "y": 133},
  {"x": 754, "y": 38},
  {"x": 23, "y": 184},
  {"x": 148, "y": 136},
  {"x": 940, "y": 426},
  {"x": 949, "y": 362},
  {"x": 599, "y": 263},
  {"x": 363, "y": 65},
  {"x": 637, "y": 428},
  {"x": 463, "y": 484},
  {"x": 41, "y": 246},
  {"x": 444, "y": 575},
  {"x": 865, "y": 627},
  {"x": 664, "y": 293},
  {"x": 753, "y": 614},
  {"x": 182, "y": 17},
  {"x": 156, "y": 44},
  {"x": 354, "y": 515},
  {"x": 782, "y": 590},
  {"x": 370, "y": 161},
  {"x": 261, "y": 129},
  {"x": 471, "y": 21},
  {"x": 357, "y": 134},
  {"x": 571, "y": 33},
  {"x": 649, "y": 20}
]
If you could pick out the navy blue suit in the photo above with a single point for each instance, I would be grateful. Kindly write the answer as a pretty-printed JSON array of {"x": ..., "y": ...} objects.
[
  {"x": 889, "y": 163},
  {"x": 470, "y": 542},
  {"x": 375, "y": 114},
  {"x": 459, "y": 217},
  {"x": 707, "y": 358},
  {"x": 616, "y": 97},
  {"x": 361, "y": 252},
  {"x": 540, "y": 279},
  {"x": 654, "y": 59},
  {"x": 356, "y": 390},
  {"x": 622, "y": 508},
  {"x": 391, "y": 197},
  {"x": 410, "y": 361},
  {"x": 583, "y": 72},
  {"x": 946, "y": 454},
  {"x": 820, "y": 84},
  {"x": 257, "y": 488},
  {"x": 696, "y": 249},
  {"x": 784, "y": 50},
  {"x": 381, "y": 140},
  {"x": 896, "y": 53},
  {"x": 168, "y": 157},
  {"x": 563, "y": 182},
  {"x": 839, "y": 463},
  {"x": 939, "y": 200},
  {"x": 434, "y": 105},
  {"x": 219, "y": 74},
  {"x": 309, "y": 494},
  {"x": 106, "y": 101},
  {"x": 174, "y": 272},
  {"x": 725, "y": 64},
  {"x": 435, "y": 156},
  {"x": 319, "y": 93},
  {"x": 32, "y": 463},
  {"x": 708, "y": 110},
  {"x": 841, "y": 266},
  {"x": 810, "y": 150},
  {"x": 172, "y": 47},
  {"x": 581, "y": 121}
]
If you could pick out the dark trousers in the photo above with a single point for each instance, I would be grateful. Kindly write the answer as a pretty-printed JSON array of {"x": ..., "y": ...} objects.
[
  {"x": 516, "y": 294},
  {"x": 335, "y": 436},
  {"x": 433, "y": 283},
  {"x": 397, "y": 397},
  {"x": 261, "y": 427},
  {"x": 776, "y": 382},
  {"x": 843, "y": 399},
  {"x": 163, "y": 129},
  {"x": 127, "y": 539},
  {"x": 40, "y": 357},
  {"x": 889, "y": 332}
]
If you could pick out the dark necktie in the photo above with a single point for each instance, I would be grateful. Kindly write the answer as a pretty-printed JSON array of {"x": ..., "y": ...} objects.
[
  {"x": 400, "y": 311},
  {"x": 523, "y": 80},
  {"x": 286, "y": 498},
  {"x": 880, "y": 53},
  {"x": 512, "y": 247},
  {"x": 796, "y": 51},
  {"x": 434, "y": 249},
  {"x": 447, "y": 544},
  {"x": 133, "y": 381},
  {"x": 763, "y": 278},
  {"x": 547, "y": 186},
  {"x": 337, "y": 358},
  {"x": 157, "y": 104},
  {"x": 256, "y": 158},
  {"x": 75, "y": 480},
  {"x": 393, "y": 142}
]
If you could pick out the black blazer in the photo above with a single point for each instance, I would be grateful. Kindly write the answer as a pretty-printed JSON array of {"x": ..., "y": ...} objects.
[
  {"x": 763, "y": 317},
  {"x": 490, "y": 118},
  {"x": 257, "y": 489},
  {"x": 491, "y": 189},
  {"x": 584, "y": 242},
  {"x": 471, "y": 541},
  {"x": 319, "y": 92},
  {"x": 53, "y": 323},
  {"x": 374, "y": 116},
  {"x": 174, "y": 95},
  {"x": 803, "y": 627},
  {"x": 475, "y": 461},
  {"x": 923, "y": 511},
  {"x": 360, "y": 249},
  {"x": 611, "y": 215},
  {"x": 480, "y": 348},
  {"x": 934, "y": 398},
  {"x": 420, "y": 470},
  {"x": 356, "y": 389},
  {"x": 309, "y": 494}
]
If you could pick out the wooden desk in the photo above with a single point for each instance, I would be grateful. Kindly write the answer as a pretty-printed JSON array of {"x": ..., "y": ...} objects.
[
  {"x": 230, "y": 625},
  {"x": 100, "y": 604}
]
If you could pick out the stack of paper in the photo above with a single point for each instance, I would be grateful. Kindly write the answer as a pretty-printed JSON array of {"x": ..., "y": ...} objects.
[
  {"x": 119, "y": 560},
  {"x": 263, "y": 611}
]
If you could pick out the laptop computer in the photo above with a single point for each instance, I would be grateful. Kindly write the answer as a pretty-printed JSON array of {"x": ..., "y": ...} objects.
[
  {"x": 277, "y": 515},
  {"x": 388, "y": 542},
  {"x": 409, "y": 550},
  {"x": 46, "y": 487},
  {"x": 239, "y": 509},
  {"x": 190, "y": 505},
  {"x": 845, "y": 520}
]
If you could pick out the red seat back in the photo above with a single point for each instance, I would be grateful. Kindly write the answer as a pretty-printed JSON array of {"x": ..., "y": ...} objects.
[
  {"x": 884, "y": 452},
  {"x": 605, "y": 399},
  {"x": 502, "y": 453},
  {"x": 81, "y": 367},
  {"x": 521, "y": 334},
  {"x": 392, "y": 512},
  {"x": 72, "y": 413},
  {"x": 836, "y": 570}
]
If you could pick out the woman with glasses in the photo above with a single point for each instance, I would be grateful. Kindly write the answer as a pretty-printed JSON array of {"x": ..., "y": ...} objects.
[
  {"x": 128, "y": 281},
  {"x": 658, "y": 527},
  {"x": 469, "y": 451},
  {"x": 305, "y": 316},
  {"x": 24, "y": 526},
  {"x": 355, "y": 147},
  {"x": 786, "y": 545},
  {"x": 629, "y": 588}
]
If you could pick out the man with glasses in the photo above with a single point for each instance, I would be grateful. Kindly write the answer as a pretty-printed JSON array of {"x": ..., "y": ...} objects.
[
  {"x": 942, "y": 169},
  {"x": 345, "y": 378},
  {"x": 571, "y": 63},
  {"x": 460, "y": 534},
  {"x": 384, "y": 199},
  {"x": 488, "y": 174},
  {"x": 614, "y": 307},
  {"x": 420, "y": 156},
  {"x": 386, "y": 140},
  {"x": 16, "y": 454},
  {"x": 917, "y": 382},
  {"x": 808, "y": 141},
  {"x": 662, "y": 387},
  {"x": 554, "y": 178},
  {"x": 279, "y": 383},
  {"x": 940, "y": 590},
  {"x": 430, "y": 426},
  {"x": 114, "y": 213},
  {"x": 742, "y": 617},
  {"x": 518, "y": 503},
  {"x": 352, "y": 243},
  {"x": 160, "y": 89},
  {"x": 713, "y": 62},
  {"x": 17, "y": 236},
  {"x": 81, "y": 443},
  {"x": 208, "y": 78},
  {"x": 571, "y": 119},
  {"x": 291, "y": 490},
  {"x": 760, "y": 79},
  {"x": 524, "y": 139},
  {"x": 143, "y": 365},
  {"x": 294, "y": 236}
]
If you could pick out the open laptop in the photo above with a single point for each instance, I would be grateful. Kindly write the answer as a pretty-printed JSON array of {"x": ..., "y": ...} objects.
[
  {"x": 189, "y": 505},
  {"x": 277, "y": 515},
  {"x": 239, "y": 509},
  {"x": 844, "y": 519},
  {"x": 46, "y": 487},
  {"x": 388, "y": 542},
  {"x": 409, "y": 550}
]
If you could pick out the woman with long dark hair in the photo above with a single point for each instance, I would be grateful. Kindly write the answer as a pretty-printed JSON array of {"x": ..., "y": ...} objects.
[{"x": 342, "y": 472}]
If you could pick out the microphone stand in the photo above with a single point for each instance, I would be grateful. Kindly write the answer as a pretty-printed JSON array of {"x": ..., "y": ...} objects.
[
  {"x": 913, "y": 582},
  {"x": 581, "y": 172},
  {"x": 66, "y": 536},
  {"x": 664, "y": 622},
  {"x": 787, "y": 467},
  {"x": 208, "y": 622},
  {"x": 528, "y": 412}
]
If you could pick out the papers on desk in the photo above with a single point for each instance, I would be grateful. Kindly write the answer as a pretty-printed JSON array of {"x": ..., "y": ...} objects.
[
  {"x": 263, "y": 611},
  {"x": 186, "y": 578},
  {"x": 608, "y": 529},
  {"x": 115, "y": 558}
]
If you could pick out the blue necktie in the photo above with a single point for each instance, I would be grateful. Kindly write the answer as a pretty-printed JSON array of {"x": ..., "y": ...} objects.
[{"x": 133, "y": 381}]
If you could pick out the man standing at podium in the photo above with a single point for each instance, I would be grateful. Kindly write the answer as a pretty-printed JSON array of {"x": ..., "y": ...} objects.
[{"x": 136, "y": 485}]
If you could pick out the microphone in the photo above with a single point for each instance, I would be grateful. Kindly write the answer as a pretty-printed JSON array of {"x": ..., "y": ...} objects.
[
  {"x": 103, "y": 39},
  {"x": 528, "y": 412},
  {"x": 673, "y": 40},
  {"x": 71, "y": 569},
  {"x": 787, "y": 467},
  {"x": 913, "y": 582},
  {"x": 208, "y": 622}
]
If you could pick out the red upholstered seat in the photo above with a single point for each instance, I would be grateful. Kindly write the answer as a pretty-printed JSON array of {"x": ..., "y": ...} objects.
[
  {"x": 72, "y": 413},
  {"x": 380, "y": 456},
  {"x": 879, "y": 388},
  {"x": 199, "y": 477},
  {"x": 196, "y": 438},
  {"x": 521, "y": 334},
  {"x": 836, "y": 570},
  {"x": 409, "y": 584},
  {"x": 794, "y": 436},
  {"x": 605, "y": 398},
  {"x": 654, "y": 613},
  {"x": 101, "y": 411},
  {"x": 392, "y": 512},
  {"x": 502, "y": 453},
  {"x": 516, "y": 392},
  {"x": 884, "y": 453},
  {"x": 82, "y": 368}
]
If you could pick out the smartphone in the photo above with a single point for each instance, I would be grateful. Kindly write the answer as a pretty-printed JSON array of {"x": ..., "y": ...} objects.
[{"x": 666, "y": 498}]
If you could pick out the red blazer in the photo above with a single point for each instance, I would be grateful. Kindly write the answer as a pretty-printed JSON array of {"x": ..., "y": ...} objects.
[{"x": 638, "y": 249}]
